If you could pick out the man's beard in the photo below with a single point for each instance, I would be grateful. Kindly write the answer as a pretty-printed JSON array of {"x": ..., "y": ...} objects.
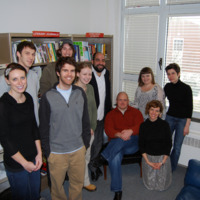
[{"x": 99, "y": 70}]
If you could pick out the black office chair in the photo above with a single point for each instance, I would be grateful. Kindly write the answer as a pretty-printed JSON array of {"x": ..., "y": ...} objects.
[{"x": 127, "y": 159}]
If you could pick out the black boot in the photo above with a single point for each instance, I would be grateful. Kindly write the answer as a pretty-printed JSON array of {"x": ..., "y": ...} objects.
[{"x": 118, "y": 195}]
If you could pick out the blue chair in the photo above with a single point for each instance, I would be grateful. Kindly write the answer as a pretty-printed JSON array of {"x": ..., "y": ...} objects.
[{"x": 191, "y": 189}]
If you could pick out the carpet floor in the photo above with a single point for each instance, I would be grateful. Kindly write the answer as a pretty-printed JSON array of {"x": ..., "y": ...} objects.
[{"x": 133, "y": 188}]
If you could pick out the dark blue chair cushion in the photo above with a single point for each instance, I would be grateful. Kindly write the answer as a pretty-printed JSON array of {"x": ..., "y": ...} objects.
[
  {"x": 189, "y": 193},
  {"x": 192, "y": 176},
  {"x": 191, "y": 190}
]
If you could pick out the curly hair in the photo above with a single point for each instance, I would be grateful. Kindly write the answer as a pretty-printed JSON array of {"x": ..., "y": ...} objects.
[{"x": 154, "y": 104}]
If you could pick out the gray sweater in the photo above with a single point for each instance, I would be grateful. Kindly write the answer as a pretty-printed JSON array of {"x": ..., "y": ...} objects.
[{"x": 64, "y": 127}]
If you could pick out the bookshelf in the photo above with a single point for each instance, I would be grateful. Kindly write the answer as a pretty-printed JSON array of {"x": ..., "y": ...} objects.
[{"x": 6, "y": 40}]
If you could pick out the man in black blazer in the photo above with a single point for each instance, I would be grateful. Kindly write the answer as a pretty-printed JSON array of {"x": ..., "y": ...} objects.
[{"x": 101, "y": 84}]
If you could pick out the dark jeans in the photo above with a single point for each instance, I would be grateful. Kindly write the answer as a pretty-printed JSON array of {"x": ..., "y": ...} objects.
[
  {"x": 24, "y": 185},
  {"x": 97, "y": 144},
  {"x": 113, "y": 153}
]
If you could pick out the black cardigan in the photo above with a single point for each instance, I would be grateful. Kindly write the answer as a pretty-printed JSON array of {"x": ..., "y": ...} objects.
[
  {"x": 93, "y": 82},
  {"x": 18, "y": 130}
]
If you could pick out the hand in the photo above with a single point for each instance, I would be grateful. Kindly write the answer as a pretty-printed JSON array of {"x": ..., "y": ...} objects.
[
  {"x": 38, "y": 162},
  {"x": 186, "y": 130},
  {"x": 155, "y": 165},
  {"x": 126, "y": 134},
  {"x": 29, "y": 166},
  {"x": 92, "y": 132}
]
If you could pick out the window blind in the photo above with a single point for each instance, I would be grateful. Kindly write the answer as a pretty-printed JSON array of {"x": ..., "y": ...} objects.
[
  {"x": 129, "y": 87},
  {"x": 179, "y": 2},
  {"x": 140, "y": 43},
  {"x": 141, "y": 3}
]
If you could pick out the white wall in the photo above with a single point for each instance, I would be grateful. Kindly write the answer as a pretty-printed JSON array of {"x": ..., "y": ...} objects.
[{"x": 66, "y": 17}]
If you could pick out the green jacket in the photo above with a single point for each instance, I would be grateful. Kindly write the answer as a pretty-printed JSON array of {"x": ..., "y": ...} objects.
[{"x": 48, "y": 78}]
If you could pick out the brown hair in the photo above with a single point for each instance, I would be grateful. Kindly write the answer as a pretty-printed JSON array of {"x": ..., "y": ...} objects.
[
  {"x": 154, "y": 104},
  {"x": 64, "y": 60},
  {"x": 11, "y": 67},
  {"x": 23, "y": 45},
  {"x": 82, "y": 65},
  {"x": 145, "y": 70},
  {"x": 58, "y": 52}
]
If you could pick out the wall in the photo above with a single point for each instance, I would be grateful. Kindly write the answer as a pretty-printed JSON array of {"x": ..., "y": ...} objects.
[{"x": 65, "y": 16}]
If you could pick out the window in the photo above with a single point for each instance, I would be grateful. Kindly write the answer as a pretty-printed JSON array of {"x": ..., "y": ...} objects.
[
  {"x": 186, "y": 51},
  {"x": 161, "y": 31}
]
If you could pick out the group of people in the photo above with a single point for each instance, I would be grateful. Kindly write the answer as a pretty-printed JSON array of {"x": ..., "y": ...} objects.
[
  {"x": 128, "y": 133},
  {"x": 74, "y": 110},
  {"x": 69, "y": 123}
]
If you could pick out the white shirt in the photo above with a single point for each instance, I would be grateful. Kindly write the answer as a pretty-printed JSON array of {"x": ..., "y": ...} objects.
[{"x": 102, "y": 93}]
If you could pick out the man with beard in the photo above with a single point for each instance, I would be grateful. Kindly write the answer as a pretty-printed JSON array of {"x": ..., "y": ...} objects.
[{"x": 101, "y": 84}]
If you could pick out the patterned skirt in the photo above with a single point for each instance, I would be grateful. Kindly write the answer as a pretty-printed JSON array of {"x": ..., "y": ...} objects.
[{"x": 154, "y": 179}]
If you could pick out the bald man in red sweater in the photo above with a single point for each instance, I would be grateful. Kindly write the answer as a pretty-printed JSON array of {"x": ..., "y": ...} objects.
[{"x": 122, "y": 127}]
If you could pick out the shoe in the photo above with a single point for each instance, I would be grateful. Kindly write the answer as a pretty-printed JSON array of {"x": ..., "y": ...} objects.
[
  {"x": 93, "y": 176},
  {"x": 118, "y": 195},
  {"x": 90, "y": 188},
  {"x": 98, "y": 173}
]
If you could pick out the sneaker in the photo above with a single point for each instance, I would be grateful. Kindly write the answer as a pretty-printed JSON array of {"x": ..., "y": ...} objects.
[{"x": 90, "y": 188}]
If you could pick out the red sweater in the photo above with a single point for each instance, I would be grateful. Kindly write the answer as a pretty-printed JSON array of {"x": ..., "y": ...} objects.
[{"x": 116, "y": 122}]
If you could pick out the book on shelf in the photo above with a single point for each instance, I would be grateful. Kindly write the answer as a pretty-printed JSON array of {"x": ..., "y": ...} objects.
[
  {"x": 45, "y": 52},
  {"x": 85, "y": 50},
  {"x": 77, "y": 54}
]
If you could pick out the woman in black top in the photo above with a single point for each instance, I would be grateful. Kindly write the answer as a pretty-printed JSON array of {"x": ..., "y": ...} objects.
[
  {"x": 19, "y": 136},
  {"x": 180, "y": 109},
  {"x": 155, "y": 144}
]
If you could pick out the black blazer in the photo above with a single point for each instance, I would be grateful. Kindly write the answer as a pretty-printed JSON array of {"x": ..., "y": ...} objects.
[{"x": 93, "y": 82}]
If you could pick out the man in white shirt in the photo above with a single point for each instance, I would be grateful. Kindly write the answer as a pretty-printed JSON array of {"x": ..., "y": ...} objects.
[
  {"x": 101, "y": 84},
  {"x": 26, "y": 56}
]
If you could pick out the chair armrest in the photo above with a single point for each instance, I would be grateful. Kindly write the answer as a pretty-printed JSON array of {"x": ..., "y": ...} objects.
[{"x": 192, "y": 176}]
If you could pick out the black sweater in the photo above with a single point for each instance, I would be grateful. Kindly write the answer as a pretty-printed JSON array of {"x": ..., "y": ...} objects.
[
  {"x": 155, "y": 137},
  {"x": 18, "y": 130},
  {"x": 108, "y": 103},
  {"x": 180, "y": 99}
]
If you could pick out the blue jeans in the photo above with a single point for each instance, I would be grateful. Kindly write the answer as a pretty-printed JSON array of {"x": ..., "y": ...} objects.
[
  {"x": 177, "y": 126},
  {"x": 114, "y": 154},
  {"x": 24, "y": 185}
]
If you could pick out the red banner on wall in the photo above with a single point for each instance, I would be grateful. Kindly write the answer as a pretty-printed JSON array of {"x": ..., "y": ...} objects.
[
  {"x": 45, "y": 34},
  {"x": 94, "y": 35}
]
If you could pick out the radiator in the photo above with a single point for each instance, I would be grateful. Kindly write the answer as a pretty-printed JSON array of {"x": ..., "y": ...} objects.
[{"x": 190, "y": 148}]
